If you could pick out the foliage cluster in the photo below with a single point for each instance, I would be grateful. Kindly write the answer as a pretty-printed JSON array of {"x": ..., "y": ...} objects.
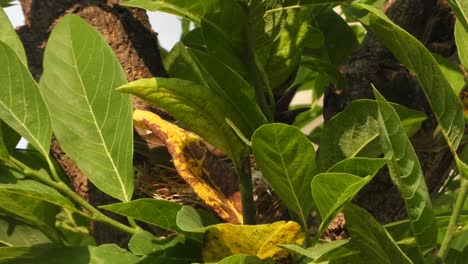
[{"x": 228, "y": 77}]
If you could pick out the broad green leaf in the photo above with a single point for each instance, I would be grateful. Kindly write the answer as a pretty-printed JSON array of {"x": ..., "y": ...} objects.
[
  {"x": 372, "y": 239},
  {"x": 9, "y": 36},
  {"x": 406, "y": 174},
  {"x": 244, "y": 259},
  {"x": 255, "y": 240},
  {"x": 359, "y": 166},
  {"x": 157, "y": 212},
  {"x": 21, "y": 104},
  {"x": 452, "y": 72},
  {"x": 287, "y": 160},
  {"x": 461, "y": 39},
  {"x": 340, "y": 40},
  {"x": 191, "y": 220},
  {"x": 460, "y": 8},
  {"x": 195, "y": 106},
  {"x": 317, "y": 250},
  {"x": 57, "y": 254},
  {"x": 91, "y": 121},
  {"x": 14, "y": 233},
  {"x": 145, "y": 243},
  {"x": 445, "y": 104},
  {"x": 189, "y": 154},
  {"x": 331, "y": 191},
  {"x": 355, "y": 130}
]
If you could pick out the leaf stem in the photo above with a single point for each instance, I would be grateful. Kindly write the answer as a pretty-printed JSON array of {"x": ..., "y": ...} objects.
[
  {"x": 60, "y": 186},
  {"x": 452, "y": 226},
  {"x": 246, "y": 190}
]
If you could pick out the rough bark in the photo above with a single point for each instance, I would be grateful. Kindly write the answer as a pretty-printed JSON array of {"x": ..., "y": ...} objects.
[
  {"x": 432, "y": 22},
  {"x": 129, "y": 34}
]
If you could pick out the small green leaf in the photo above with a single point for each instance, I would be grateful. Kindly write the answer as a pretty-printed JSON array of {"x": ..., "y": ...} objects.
[
  {"x": 331, "y": 191},
  {"x": 157, "y": 212},
  {"x": 21, "y": 104},
  {"x": 460, "y": 8},
  {"x": 371, "y": 238},
  {"x": 461, "y": 39},
  {"x": 451, "y": 71},
  {"x": 14, "y": 233},
  {"x": 318, "y": 250},
  {"x": 287, "y": 160},
  {"x": 244, "y": 259},
  {"x": 406, "y": 174},
  {"x": 191, "y": 220},
  {"x": 91, "y": 121},
  {"x": 445, "y": 104},
  {"x": 355, "y": 131},
  {"x": 57, "y": 254},
  {"x": 9, "y": 36},
  {"x": 145, "y": 243}
]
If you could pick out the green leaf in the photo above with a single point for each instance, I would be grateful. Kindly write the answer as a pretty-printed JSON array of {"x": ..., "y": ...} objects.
[
  {"x": 331, "y": 191},
  {"x": 445, "y": 104},
  {"x": 460, "y": 8},
  {"x": 461, "y": 39},
  {"x": 145, "y": 243},
  {"x": 191, "y": 220},
  {"x": 318, "y": 250},
  {"x": 340, "y": 40},
  {"x": 16, "y": 233},
  {"x": 8, "y": 36},
  {"x": 57, "y": 254},
  {"x": 452, "y": 72},
  {"x": 355, "y": 131},
  {"x": 372, "y": 239},
  {"x": 359, "y": 166},
  {"x": 195, "y": 106},
  {"x": 328, "y": 70},
  {"x": 91, "y": 121},
  {"x": 10, "y": 137},
  {"x": 244, "y": 259},
  {"x": 287, "y": 160},
  {"x": 21, "y": 104},
  {"x": 406, "y": 174},
  {"x": 157, "y": 212}
]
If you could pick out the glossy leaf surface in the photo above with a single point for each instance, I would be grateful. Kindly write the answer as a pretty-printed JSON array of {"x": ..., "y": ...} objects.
[{"x": 91, "y": 121}]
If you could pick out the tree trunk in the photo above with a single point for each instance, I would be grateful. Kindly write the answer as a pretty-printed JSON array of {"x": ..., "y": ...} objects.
[
  {"x": 129, "y": 34},
  {"x": 432, "y": 22}
]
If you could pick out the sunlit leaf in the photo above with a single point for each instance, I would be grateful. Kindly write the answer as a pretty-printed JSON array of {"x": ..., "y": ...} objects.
[
  {"x": 406, "y": 174},
  {"x": 354, "y": 132},
  {"x": 189, "y": 155},
  {"x": 318, "y": 250},
  {"x": 191, "y": 220},
  {"x": 452, "y": 71},
  {"x": 287, "y": 160},
  {"x": 21, "y": 104},
  {"x": 91, "y": 121},
  {"x": 262, "y": 241},
  {"x": 359, "y": 166},
  {"x": 461, "y": 39},
  {"x": 9, "y": 36},
  {"x": 460, "y": 8},
  {"x": 372, "y": 239}
]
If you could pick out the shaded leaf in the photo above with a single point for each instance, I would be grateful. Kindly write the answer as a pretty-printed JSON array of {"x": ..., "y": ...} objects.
[
  {"x": 406, "y": 174},
  {"x": 318, "y": 250},
  {"x": 8, "y": 36},
  {"x": 14, "y": 233},
  {"x": 460, "y": 8},
  {"x": 56, "y": 254},
  {"x": 10, "y": 137},
  {"x": 287, "y": 160},
  {"x": 355, "y": 130},
  {"x": 91, "y": 121},
  {"x": 331, "y": 191},
  {"x": 451, "y": 71},
  {"x": 157, "y": 212},
  {"x": 190, "y": 156},
  {"x": 328, "y": 70},
  {"x": 223, "y": 240},
  {"x": 371, "y": 238},
  {"x": 145, "y": 243},
  {"x": 244, "y": 259},
  {"x": 21, "y": 105},
  {"x": 445, "y": 104}
]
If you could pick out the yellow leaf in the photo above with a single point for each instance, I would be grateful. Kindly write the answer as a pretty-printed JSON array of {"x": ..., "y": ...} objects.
[
  {"x": 223, "y": 240},
  {"x": 189, "y": 153}
]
